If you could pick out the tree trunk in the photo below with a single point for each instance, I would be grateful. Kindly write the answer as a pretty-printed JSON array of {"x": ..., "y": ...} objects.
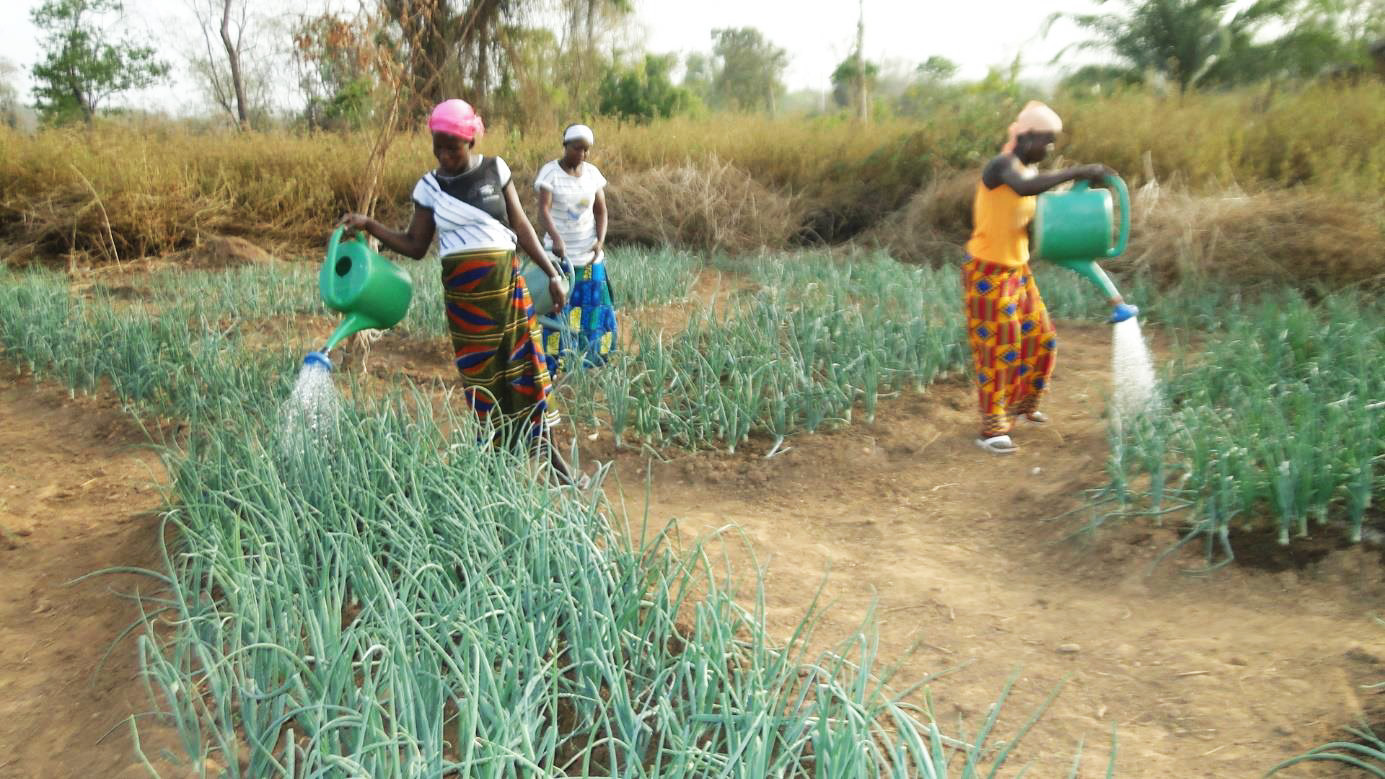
[
  {"x": 84, "y": 101},
  {"x": 233, "y": 55},
  {"x": 861, "y": 64}
]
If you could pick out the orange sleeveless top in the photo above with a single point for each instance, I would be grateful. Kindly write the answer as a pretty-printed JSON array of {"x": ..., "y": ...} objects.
[{"x": 1001, "y": 232}]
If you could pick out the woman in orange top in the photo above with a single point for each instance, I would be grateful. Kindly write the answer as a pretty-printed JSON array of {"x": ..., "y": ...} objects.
[{"x": 1012, "y": 339}]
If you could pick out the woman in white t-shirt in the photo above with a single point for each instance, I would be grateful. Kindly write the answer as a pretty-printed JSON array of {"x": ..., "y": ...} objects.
[{"x": 572, "y": 212}]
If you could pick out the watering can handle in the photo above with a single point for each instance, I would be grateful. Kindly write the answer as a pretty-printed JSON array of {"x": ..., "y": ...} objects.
[
  {"x": 1117, "y": 184},
  {"x": 333, "y": 241}
]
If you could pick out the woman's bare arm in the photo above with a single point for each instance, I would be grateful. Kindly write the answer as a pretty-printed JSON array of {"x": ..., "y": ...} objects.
[
  {"x": 1002, "y": 170},
  {"x": 546, "y": 221},
  {"x": 529, "y": 242},
  {"x": 599, "y": 213},
  {"x": 413, "y": 243}
]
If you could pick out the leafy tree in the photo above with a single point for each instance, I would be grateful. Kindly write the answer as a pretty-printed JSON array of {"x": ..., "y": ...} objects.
[
  {"x": 1192, "y": 42},
  {"x": 82, "y": 66},
  {"x": 845, "y": 80},
  {"x": 1181, "y": 40},
  {"x": 930, "y": 90},
  {"x": 698, "y": 75},
  {"x": 531, "y": 92},
  {"x": 1323, "y": 36},
  {"x": 333, "y": 55},
  {"x": 588, "y": 25},
  {"x": 645, "y": 90},
  {"x": 748, "y": 70},
  {"x": 937, "y": 69},
  {"x": 454, "y": 47}
]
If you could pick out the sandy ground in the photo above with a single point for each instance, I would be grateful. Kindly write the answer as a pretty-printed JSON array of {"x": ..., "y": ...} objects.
[
  {"x": 1203, "y": 676},
  {"x": 78, "y": 493}
]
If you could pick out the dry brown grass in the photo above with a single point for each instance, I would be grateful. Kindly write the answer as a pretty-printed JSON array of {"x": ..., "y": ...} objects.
[
  {"x": 934, "y": 225},
  {"x": 1313, "y": 162},
  {"x": 1330, "y": 138},
  {"x": 1294, "y": 236},
  {"x": 708, "y": 205},
  {"x": 1281, "y": 235}
]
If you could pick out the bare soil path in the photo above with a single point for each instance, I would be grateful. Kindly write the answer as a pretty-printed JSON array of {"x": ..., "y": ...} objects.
[
  {"x": 1204, "y": 676},
  {"x": 77, "y": 494}
]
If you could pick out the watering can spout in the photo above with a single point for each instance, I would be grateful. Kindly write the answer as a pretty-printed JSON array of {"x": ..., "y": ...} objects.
[
  {"x": 1122, "y": 312},
  {"x": 1073, "y": 229},
  {"x": 318, "y": 360},
  {"x": 352, "y": 324},
  {"x": 1091, "y": 271}
]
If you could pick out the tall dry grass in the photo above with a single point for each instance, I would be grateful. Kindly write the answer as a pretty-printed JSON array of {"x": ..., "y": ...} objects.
[
  {"x": 1327, "y": 138},
  {"x": 1284, "y": 235},
  {"x": 118, "y": 192},
  {"x": 711, "y": 205},
  {"x": 126, "y": 190}
]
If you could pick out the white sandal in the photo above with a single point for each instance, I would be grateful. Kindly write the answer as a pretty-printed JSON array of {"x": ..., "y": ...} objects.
[
  {"x": 1035, "y": 418},
  {"x": 998, "y": 444}
]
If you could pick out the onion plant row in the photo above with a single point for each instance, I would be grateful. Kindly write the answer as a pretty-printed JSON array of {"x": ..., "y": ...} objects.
[
  {"x": 398, "y": 601},
  {"x": 812, "y": 343},
  {"x": 638, "y": 277},
  {"x": 1277, "y": 424}
]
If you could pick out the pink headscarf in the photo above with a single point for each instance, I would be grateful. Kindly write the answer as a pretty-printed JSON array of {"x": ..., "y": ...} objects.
[
  {"x": 457, "y": 117},
  {"x": 1034, "y": 117}
]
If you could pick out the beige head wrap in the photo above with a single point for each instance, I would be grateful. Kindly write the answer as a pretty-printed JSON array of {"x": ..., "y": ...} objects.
[{"x": 1034, "y": 117}]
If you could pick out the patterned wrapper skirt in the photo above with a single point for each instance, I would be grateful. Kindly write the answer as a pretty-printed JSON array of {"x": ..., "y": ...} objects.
[
  {"x": 1013, "y": 343},
  {"x": 495, "y": 337},
  {"x": 588, "y": 322}
]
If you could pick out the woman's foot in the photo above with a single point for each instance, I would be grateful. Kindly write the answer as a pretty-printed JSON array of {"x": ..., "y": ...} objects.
[
  {"x": 997, "y": 444},
  {"x": 1036, "y": 417},
  {"x": 560, "y": 468}
]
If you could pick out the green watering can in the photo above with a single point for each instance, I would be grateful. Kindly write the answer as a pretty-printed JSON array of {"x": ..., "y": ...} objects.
[
  {"x": 1073, "y": 229},
  {"x": 370, "y": 290}
]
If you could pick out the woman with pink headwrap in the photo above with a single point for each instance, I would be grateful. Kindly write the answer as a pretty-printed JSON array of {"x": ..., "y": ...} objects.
[
  {"x": 1012, "y": 339},
  {"x": 469, "y": 203}
]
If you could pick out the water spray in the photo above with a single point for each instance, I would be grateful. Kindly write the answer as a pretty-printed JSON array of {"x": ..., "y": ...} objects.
[{"x": 1073, "y": 229}]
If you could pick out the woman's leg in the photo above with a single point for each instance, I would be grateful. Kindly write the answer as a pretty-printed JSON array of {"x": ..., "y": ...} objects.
[
  {"x": 599, "y": 316},
  {"x": 561, "y": 469},
  {"x": 993, "y": 334},
  {"x": 1039, "y": 349}
]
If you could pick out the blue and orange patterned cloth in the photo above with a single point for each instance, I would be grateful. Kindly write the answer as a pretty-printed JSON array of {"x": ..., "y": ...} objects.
[{"x": 495, "y": 338}]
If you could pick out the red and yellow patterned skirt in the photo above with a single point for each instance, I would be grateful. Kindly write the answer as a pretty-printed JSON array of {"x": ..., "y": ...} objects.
[{"x": 1013, "y": 343}]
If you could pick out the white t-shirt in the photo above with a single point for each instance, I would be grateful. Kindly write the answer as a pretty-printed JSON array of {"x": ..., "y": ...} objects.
[
  {"x": 573, "y": 198},
  {"x": 461, "y": 226}
]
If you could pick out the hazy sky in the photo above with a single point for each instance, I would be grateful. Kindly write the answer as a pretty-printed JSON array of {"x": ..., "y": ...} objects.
[{"x": 973, "y": 33}]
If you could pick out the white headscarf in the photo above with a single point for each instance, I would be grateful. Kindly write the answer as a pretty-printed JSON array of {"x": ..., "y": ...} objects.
[
  {"x": 579, "y": 132},
  {"x": 1034, "y": 117}
]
